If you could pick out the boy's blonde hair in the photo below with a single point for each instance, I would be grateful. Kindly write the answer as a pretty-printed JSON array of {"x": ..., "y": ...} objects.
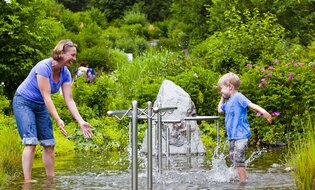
[{"x": 230, "y": 78}]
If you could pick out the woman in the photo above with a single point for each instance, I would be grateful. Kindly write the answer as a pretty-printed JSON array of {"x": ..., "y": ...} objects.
[{"x": 32, "y": 106}]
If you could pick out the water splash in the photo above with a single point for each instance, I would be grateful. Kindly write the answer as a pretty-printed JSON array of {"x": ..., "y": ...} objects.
[
  {"x": 255, "y": 155},
  {"x": 220, "y": 172}
]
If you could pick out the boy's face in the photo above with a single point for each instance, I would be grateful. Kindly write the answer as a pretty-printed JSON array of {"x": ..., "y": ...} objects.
[{"x": 226, "y": 90}]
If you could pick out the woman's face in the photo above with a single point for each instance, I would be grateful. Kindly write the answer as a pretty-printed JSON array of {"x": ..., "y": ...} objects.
[{"x": 69, "y": 56}]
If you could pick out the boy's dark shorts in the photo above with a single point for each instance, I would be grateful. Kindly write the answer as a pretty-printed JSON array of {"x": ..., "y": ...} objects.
[{"x": 237, "y": 152}]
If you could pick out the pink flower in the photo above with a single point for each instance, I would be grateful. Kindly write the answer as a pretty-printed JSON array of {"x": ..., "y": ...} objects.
[
  {"x": 258, "y": 114},
  {"x": 261, "y": 85},
  {"x": 263, "y": 70},
  {"x": 263, "y": 80},
  {"x": 271, "y": 68},
  {"x": 269, "y": 75},
  {"x": 276, "y": 61},
  {"x": 312, "y": 68},
  {"x": 275, "y": 113},
  {"x": 249, "y": 65},
  {"x": 290, "y": 77}
]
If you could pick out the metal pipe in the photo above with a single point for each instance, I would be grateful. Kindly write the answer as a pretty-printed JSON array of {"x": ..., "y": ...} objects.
[
  {"x": 200, "y": 118},
  {"x": 164, "y": 109},
  {"x": 149, "y": 147},
  {"x": 159, "y": 131},
  {"x": 134, "y": 146},
  {"x": 168, "y": 145},
  {"x": 218, "y": 133},
  {"x": 130, "y": 142},
  {"x": 188, "y": 138}
]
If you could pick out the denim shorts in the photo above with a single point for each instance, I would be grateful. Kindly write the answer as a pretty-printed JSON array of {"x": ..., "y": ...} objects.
[
  {"x": 33, "y": 122},
  {"x": 237, "y": 152}
]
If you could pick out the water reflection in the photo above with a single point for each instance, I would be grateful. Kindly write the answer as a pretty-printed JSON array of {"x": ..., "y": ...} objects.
[{"x": 112, "y": 172}]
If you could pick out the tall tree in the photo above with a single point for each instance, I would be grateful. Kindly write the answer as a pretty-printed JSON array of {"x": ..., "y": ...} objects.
[{"x": 24, "y": 39}]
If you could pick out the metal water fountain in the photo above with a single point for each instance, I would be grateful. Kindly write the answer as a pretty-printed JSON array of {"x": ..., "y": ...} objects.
[{"x": 148, "y": 114}]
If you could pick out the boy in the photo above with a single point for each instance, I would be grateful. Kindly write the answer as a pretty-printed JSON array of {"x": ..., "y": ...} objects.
[{"x": 235, "y": 104}]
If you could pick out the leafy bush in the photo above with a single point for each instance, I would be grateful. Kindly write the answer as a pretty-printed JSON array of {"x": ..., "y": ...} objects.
[
  {"x": 284, "y": 89},
  {"x": 200, "y": 84},
  {"x": 134, "y": 17},
  {"x": 243, "y": 42}
]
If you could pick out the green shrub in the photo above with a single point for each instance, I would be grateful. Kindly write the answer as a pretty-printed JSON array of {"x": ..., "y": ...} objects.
[
  {"x": 250, "y": 41},
  {"x": 134, "y": 17},
  {"x": 200, "y": 84},
  {"x": 286, "y": 90}
]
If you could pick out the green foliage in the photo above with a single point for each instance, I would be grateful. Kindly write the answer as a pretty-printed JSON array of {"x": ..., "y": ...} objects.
[
  {"x": 64, "y": 146},
  {"x": 112, "y": 9},
  {"x": 92, "y": 96},
  {"x": 110, "y": 135},
  {"x": 200, "y": 84},
  {"x": 297, "y": 17},
  {"x": 244, "y": 41},
  {"x": 4, "y": 102},
  {"x": 310, "y": 56},
  {"x": 10, "y": 154},
  {"x": 152, "y": 32},
  {"x": 189, "y": 16},
  {"x": 276, "y": 87},
  {"x": 135, "y": 17},
  {"x": 301, "y": 157},
  {"x": 209, "y": 136}
]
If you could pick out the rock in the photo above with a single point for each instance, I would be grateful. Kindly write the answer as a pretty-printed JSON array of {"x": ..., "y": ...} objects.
[{"x": 171, "y": 95}]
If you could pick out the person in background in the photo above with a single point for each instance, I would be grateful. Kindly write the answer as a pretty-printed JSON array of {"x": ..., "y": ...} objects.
[
  {"x": 84, "y": 70},
  {"x": 235, "y": 104},
  {"x": 33, "y": 106}
]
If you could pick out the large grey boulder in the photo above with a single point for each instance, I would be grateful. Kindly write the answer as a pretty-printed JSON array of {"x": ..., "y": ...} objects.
[{"x": 171, "y": 95}]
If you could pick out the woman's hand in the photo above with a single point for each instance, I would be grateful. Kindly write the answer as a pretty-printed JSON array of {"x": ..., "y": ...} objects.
[
  {"x": 86, "y": 129},
  {"x": 61, "y": 126}
]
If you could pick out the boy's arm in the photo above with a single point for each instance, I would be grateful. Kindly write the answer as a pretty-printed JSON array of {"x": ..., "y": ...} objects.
[
  {"x": 220, "y": 105},
  {"x": 257, "y": 108}
]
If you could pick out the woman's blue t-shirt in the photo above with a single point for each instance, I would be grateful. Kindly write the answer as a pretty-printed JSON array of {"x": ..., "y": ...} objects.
[
  {"x": 236, "y": 122},
  {"x": 29, "y": 88}
]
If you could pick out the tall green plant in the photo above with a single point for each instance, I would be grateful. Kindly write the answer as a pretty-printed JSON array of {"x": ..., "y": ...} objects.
[
  {"x": 10, "y": 154},
  {"x": 301, "y": 157}
]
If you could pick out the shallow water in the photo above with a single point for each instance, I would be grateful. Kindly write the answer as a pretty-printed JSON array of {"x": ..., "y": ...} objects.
[{"x": 111, "y": 172}]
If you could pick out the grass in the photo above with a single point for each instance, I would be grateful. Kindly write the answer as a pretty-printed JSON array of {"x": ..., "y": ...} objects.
[
  {"x": 10, "y": 155},
  {"x": 302, "y": 159}
]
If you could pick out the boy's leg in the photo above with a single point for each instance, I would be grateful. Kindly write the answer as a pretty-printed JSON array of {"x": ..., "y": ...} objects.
[
  {"x": 48, "y": 160},
  {"x": 240, "y": 147},
  {"x": 242, "y": 174},
  {"x": 27, "y": 161}
]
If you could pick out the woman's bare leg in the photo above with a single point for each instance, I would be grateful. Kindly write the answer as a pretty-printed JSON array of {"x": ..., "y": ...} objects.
[
  {"x": 49, "y": 160},
  {"x": 27, "y": 161}
]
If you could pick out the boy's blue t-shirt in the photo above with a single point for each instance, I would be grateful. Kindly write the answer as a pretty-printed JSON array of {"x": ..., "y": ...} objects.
[
  {"x": 236, "y": 122},
  {"x": 29, "y": 87}
]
